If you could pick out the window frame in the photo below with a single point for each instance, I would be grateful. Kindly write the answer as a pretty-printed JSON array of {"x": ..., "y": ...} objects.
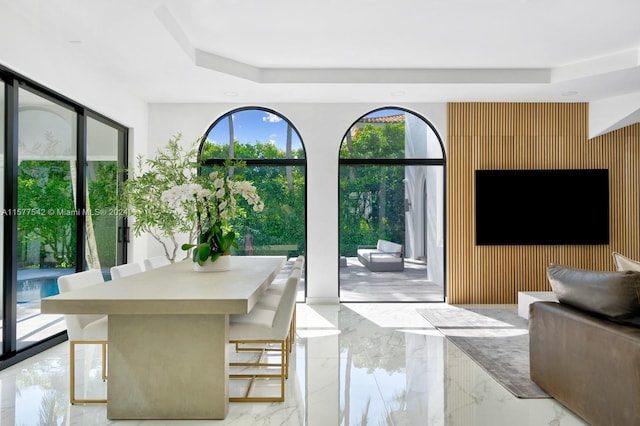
[{"x": 13, "y": 82}]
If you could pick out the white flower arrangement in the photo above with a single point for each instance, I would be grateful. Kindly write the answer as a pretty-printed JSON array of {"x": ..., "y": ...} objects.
[{"x": 213, "y": 207}]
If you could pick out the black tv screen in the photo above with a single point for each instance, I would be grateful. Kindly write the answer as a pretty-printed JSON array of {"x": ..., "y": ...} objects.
[{"x": 542, "y": 207}]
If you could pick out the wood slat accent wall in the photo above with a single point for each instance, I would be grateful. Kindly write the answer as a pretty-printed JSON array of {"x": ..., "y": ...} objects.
[{"x": 531, "y": 136}]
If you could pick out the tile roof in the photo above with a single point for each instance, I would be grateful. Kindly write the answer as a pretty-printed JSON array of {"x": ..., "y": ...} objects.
[{"x": 397, "y": 118}]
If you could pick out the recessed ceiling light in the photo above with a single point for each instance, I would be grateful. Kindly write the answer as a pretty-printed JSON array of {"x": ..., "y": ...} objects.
[{"x": 570, "y": 93}]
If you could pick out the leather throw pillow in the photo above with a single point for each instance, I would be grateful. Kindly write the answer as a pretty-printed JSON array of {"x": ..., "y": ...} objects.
[{"x": 615, "y": 295}]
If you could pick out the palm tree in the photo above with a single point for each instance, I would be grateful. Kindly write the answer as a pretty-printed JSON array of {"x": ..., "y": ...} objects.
[
  {"x": 288, "y": 154},
  {"x": 231, "y": 143}
]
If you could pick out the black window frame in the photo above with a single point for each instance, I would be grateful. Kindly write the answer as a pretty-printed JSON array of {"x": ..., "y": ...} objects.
[
  {"x": 442, "y": 162},
  {"x": 300, "y": 162},
  {"x": 12, "y": 83}
]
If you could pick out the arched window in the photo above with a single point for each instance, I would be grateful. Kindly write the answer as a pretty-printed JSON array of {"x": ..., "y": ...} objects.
[
  {"x": 392, "y": 190},
  {"x": 272, "y": 150}
]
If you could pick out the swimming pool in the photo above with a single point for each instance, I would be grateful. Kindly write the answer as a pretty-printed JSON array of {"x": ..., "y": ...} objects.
[{"x": 35, "y": 284}]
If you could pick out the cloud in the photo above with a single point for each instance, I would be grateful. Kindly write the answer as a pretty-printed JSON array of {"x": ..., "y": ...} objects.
[{"x": 271, "y": 118}]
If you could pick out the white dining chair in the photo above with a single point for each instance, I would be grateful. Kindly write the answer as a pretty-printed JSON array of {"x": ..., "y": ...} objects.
[
  {"x": 156, "y": 262},
  {"x": 278, "y": 284},
  {"x": 271, "y": 297},
  {"x": 261, "y": 329},
  {"x": 126, "y": 269},
  {"x": 297, "y": 264},
  {"x": 84, "y": 329}
]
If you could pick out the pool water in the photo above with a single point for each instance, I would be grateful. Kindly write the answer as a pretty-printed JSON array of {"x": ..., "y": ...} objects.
[{"x": 35, "y": 284}]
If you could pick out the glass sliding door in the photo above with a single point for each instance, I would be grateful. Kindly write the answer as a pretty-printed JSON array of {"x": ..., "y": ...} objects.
[
  {"x": 60, "y": 167},
  {"x": 46, "y": 211},
  {"x": 101, "y": 214},
  {"x": 2, "y": 185}
]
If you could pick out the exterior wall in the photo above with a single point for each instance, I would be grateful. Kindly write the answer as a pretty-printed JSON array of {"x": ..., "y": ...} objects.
[
  {"x": 424, "y": 188},
  {"x": 531, "y": 136}
]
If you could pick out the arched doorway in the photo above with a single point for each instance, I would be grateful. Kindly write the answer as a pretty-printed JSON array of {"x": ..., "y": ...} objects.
[{"x": 392, "y": 236}]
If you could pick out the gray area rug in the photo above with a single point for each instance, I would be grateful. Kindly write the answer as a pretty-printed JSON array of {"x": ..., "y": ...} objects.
[{"x": 494, "y": 337}]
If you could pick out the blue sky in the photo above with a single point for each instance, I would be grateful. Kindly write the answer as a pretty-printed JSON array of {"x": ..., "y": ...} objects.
[
  {"x": 258, "y": 125},
  {"x": 255, "y": 125}
]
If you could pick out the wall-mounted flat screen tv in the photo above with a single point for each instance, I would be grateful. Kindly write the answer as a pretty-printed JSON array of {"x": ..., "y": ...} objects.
[{"x": 542, "y": 207}]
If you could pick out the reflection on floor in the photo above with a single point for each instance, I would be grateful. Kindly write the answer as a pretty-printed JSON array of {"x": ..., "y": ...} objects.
[
  {"x": 353, "y": 364},
  {"x": 358, "y": 284}
]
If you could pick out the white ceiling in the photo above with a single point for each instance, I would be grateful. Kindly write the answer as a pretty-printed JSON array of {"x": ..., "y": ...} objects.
[{"x": 400, "y": 51}]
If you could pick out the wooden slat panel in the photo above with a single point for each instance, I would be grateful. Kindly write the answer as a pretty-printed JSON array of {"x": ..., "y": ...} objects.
[{"x": 531, "y": 136}]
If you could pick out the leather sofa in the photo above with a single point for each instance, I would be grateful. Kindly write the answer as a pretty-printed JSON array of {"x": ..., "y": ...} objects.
[{"x": 587, "y": 362}]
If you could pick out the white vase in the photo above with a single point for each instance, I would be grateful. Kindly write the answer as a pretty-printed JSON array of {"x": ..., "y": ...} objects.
[{"x": 223, "y": 263}]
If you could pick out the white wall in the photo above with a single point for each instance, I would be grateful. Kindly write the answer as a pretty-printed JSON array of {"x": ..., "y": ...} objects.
[
  {"x": 321, "y": 127},
  {"x": 60, "y": 66}
]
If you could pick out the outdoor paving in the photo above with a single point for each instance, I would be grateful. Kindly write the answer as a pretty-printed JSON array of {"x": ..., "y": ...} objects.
[{"x": 358, "y": 284}]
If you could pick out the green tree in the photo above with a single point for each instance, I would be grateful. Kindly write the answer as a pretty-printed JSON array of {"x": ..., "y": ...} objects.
[
  {"x": 46, "y": 202},
  {"x": 140, "y": 195},
  {"x": 282, "y": 188},
  {"x": 376, "y": 142},
  {"x": 372, "y": 196},
  {"x": 103, "y": 196},
  {"x": 46, "y": 206}
]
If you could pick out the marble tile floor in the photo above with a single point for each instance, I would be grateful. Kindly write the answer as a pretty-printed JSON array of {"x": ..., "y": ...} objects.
[{"x": 353, "y": 364}]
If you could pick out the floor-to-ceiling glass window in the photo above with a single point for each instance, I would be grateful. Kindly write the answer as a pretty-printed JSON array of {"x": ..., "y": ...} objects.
[
  {"x": 274, "y": 155},
  {"x": 60, "y": 168},
  {"x": 391, "y": 209},
  {"x": 2, "y": 183},
  {"x": 102, "y": 218},
  {"x": 46, "y": 210}
]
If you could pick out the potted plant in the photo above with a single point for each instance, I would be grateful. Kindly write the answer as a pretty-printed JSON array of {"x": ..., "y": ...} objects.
[
  {"x": 171, "y": 165},
  {"x": 214, "y": 199}
]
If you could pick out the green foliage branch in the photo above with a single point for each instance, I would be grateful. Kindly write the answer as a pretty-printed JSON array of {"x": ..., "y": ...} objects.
[{"x": 141, "y": 193}]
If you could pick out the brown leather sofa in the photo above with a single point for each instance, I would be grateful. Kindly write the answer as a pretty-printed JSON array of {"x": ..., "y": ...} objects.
[{"x": 588, "y": 363}]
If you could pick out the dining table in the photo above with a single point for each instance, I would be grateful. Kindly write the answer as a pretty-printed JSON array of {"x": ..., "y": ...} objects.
[{"x": 168, "y": 333}]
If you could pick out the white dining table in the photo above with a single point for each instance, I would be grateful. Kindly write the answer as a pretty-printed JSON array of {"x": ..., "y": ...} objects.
[{"x": 168, "y": 335}]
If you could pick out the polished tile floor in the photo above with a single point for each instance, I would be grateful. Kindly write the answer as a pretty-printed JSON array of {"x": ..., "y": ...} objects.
[{"x": 354, "y": 364}]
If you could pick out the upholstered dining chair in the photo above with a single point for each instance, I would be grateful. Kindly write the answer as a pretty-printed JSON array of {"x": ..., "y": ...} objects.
[
  {"x": 84, "y": 329},
  {"x": 260, "y": 329},
  {"x": 298, "y": 262},
  {"x": 156, "y": 262},
  {"x": 271, "y": 297},
  {"x": 125, "y": 270},
  {"x": 278, "y": 284}
]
